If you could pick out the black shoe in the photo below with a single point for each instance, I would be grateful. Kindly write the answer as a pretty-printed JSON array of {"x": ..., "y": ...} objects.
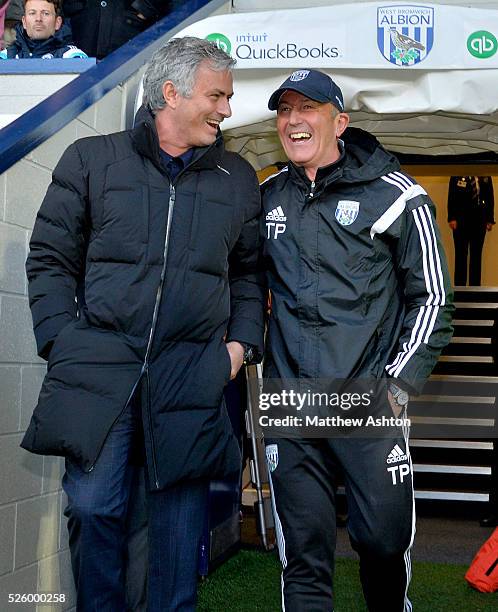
[{"x": 489, "y": 521}]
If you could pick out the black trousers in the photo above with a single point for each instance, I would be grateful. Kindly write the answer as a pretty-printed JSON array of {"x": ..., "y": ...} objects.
[
  {"x": 381, "y": 518},
  {"x": 469, "y": 240}
]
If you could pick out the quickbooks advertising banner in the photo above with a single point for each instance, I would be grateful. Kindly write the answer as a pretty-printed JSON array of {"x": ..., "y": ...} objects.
[{"x": 371, "y": 35}]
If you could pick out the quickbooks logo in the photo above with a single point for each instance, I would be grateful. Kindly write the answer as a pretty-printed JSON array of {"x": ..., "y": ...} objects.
[
  {"x": 256, "y": 46},
  {"x": 482, "y": 44},
  {"x": 221, "y": 40}
]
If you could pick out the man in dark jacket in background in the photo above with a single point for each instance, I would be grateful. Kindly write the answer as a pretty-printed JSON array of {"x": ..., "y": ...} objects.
[
  {"x": 42, "y": 34},
  {"x": 360, "y": 291},
  {"x": 155, "y": 232},
  {"x": 471, "y": 209},
  {"x": 101, "y": 27}
]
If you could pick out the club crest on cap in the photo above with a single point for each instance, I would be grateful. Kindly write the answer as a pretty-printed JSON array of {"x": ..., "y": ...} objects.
[{"x": 299, "y": 75}]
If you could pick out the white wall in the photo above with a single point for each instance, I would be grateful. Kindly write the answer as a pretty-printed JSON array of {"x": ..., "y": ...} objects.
[{"x": 20, "y": 92}]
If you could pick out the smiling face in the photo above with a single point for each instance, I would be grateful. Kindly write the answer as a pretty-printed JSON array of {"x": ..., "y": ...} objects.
[
  {"x": 194, "y": 121},
  {"x": 308, "y": 131},
  {"x": 40, "y": 19}
]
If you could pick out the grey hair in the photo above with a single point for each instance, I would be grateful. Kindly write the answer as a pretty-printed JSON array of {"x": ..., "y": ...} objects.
[{"x": 177, "y": 61}]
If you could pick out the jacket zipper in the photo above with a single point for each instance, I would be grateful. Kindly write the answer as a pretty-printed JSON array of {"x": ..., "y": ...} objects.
[
  {"x": 92, "y": 467},
  {"x": 145, "y": 366},
  {"x": 312, "y": 189}
]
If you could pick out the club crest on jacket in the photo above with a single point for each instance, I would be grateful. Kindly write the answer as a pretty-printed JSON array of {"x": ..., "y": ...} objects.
[{"x": 347, "y": 211}]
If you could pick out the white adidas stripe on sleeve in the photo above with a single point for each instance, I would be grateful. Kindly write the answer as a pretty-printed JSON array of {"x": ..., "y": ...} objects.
[
  {"x": 396, "y": 209},
  {"x": 433, "y": 277},
  {"x": 284, "y": 169}
]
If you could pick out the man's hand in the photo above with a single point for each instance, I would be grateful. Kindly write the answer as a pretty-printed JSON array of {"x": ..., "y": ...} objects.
[
  {"x": 396, "y": 408},
  {"x": 489, "y": 226},
  {"x": 236, "y": 352},
  {"x": 453, "y": 225}
]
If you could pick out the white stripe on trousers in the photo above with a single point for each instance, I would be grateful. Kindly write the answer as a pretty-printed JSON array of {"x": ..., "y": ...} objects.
[
  {"x": 407, "y": 607},
  {"x": 280, "y": 537}
]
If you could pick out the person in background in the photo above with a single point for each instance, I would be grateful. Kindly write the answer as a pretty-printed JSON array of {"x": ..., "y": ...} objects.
[
  {"x": 147, "y": 297},
  {"x": 3, "y": 9},
  {"x": 101, "y": 26},
  {"x": 42, "y": 34},
  {"x": 360, "y": 290},
  {"x": 13, "y": 16},
  {"x": 471, "y": 206}
]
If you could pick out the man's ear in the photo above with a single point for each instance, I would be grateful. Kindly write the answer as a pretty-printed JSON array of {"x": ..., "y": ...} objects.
[
  {"x": 58, "y": 23},
  {"x": 170, "y": 94},
  {"x": 23, "y": 19},
  {"x": 342, "y": 124}
]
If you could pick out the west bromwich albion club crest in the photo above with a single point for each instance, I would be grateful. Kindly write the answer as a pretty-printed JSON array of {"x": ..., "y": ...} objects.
[
  {"x": 299, "y": 75},
  {"x": 272, "y": 456},
  {"x": 347, "y": 211},
  {"x": 405, "y": 34}
]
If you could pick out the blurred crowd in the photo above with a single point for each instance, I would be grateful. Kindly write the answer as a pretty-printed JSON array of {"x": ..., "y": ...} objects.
[{"x": 74, "y": 28}]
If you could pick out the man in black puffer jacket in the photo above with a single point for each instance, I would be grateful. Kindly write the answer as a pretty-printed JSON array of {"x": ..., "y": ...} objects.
[
  {"x": 42, "y": 34},
  {"x": 155, "y": 230},
  {"x": 101, "y": 26}
]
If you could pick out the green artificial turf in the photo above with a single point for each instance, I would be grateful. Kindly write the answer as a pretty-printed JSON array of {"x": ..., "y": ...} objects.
[{"x": 250, "y": 582}]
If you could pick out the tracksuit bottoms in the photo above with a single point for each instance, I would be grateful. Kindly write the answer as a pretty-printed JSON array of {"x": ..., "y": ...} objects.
[{"x": 381, "y": 517}]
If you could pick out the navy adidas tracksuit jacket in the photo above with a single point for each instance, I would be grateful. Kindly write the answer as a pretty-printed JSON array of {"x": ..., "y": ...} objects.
[
  {"x": 360, "y": 288},
  {"x": 357, "y": 263}
]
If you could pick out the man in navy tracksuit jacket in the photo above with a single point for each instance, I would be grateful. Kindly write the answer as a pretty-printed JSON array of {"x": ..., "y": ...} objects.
[{"x": 359, "y": 288}]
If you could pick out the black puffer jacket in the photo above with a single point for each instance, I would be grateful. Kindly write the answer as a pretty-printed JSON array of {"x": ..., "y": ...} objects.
[
  {"x": 60, "y": 45},
  {"x": 158, "y": 293},
  {"x": 356, "y": 269},
  {"x": 101, "y": 26}
]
